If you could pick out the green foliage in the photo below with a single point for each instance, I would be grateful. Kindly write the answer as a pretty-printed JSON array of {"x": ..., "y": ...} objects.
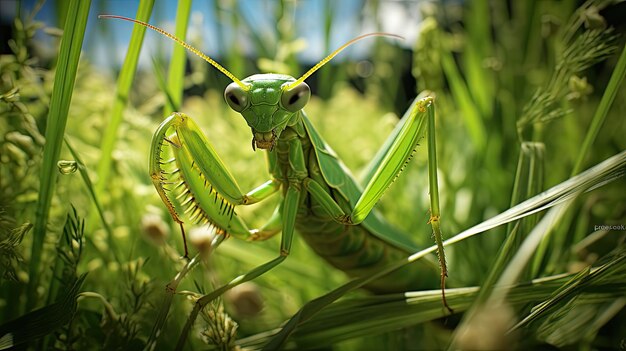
[
  {"x": 9, "y": 250},
  {"x": 23, "y": 98},
  {"x": 221, "y": 330},
  {"x": 590, "y": 47},
  {"x": 518, "y": 90}
]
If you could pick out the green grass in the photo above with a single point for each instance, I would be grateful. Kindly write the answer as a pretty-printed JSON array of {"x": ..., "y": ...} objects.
[
  {"x": 528, "y": 97},
  {"x": 69, "y": 54},
  {"x": 124, "y": 85}
]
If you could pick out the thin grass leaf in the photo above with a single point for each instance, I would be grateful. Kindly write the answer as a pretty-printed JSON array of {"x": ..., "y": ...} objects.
[
  {"x": 463, "y": 98},
  {"x": 529, "y": 179},
  {"x": 158, "y": 73},
  {"x": 176, "y": 75},
  {"x": 597, "y": 176},
  {"x": 372, "y": 315},
  {"x": 528, "y": 248},
  {"x": 69, "y": 54},
  {"x": 579, "y": 283},
  {"x": 578, "y": 320},
  {"x": 522, "y": 190},
  {"x": 582, "y": 305},
  {"x": 82, "y": 169},
  {"x": 329, "y": 74},
  {"x": 603, "y": 109},
  {"x": 510, "y": 275},
  {"x": 124, "y": 84},
  {"x": 506, "y": 251},
  {"x": 479, "y": 78}
]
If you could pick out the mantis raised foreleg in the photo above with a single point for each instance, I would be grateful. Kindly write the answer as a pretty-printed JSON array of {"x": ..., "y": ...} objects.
[{"x": 209, "y": 192}]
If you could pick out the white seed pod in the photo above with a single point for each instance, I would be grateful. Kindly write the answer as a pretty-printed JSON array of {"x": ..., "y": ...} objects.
[
  {"x": 245, "y": 299},
  {"x": 202, "y": 238},
  {"x": 153, "y": 227},
  {"x": 488, "y": 329}
]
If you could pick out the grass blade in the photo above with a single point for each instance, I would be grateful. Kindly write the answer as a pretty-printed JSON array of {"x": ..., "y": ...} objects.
[
  {"x": 69, "y": 54},
  {"x": 461, "y": 95},
  {"x": 575, "y": 285},
  {"x": 371, "y": 315},
  {"x": 82, "y": 169},
  {"x": 176, "y": 75},
  {"x": 600, "y": 115},
  {"x": 479, "y": 78},
  {"x": 124, "y": 84}
]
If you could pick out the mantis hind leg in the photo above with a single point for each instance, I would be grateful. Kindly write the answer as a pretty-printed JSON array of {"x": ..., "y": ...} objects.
[
  {"x": 386, "y": 166},
  {"x": 389, "y": 163}
]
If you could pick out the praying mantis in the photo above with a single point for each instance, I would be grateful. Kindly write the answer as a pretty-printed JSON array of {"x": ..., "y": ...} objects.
[{"x": 321, "y": 200}]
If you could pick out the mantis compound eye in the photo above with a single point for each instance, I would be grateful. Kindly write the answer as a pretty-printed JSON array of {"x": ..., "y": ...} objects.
[
  {"x": 236, "y": 97},
  {"x": 295, "y": 98}
]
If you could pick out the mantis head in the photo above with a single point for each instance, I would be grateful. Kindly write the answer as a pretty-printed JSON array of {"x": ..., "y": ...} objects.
[
  {"x": 267, "y": 106},
  {"x": 268, "y": 102}
]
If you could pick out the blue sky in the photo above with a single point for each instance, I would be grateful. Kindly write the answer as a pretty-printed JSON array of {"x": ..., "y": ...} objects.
[{"x": 351, "y": 19}]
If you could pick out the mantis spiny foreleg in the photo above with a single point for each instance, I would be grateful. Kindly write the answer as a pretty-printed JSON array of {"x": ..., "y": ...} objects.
[{"x": 196, "y": 182}]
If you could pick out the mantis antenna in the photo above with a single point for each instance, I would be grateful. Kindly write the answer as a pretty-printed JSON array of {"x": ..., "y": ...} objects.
[
  {"x": 334, "y": 53},
  {"x": 230, "y": 75},
  {"x": 186, "y": 46}
]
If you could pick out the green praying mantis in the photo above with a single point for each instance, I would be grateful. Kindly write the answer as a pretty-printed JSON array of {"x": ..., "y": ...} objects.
[{"x": 321, "y": 200}]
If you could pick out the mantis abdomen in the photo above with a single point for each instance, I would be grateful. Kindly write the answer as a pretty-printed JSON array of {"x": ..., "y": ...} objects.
[{"x": 356, "y": 251}]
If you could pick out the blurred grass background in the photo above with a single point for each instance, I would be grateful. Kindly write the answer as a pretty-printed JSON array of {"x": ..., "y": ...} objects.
[{"x": 517, "y": 83}]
